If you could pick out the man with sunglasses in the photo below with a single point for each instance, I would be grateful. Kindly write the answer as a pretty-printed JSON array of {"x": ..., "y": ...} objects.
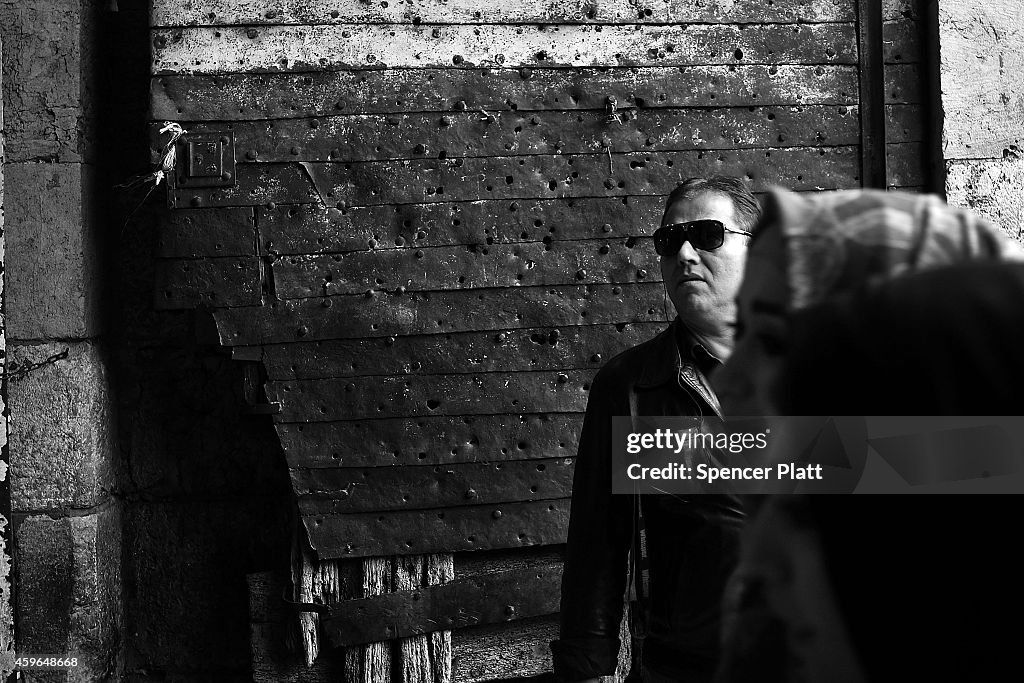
[{"x": 681, "y": 550}]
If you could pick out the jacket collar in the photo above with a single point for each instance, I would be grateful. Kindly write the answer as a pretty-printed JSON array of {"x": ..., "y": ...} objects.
[{"x": 665, "y": 360}]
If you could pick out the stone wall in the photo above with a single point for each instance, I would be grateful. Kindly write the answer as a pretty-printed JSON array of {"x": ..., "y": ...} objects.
[
  {"x": 66, "y": 523},
  {"x": 982, "y": 58}
]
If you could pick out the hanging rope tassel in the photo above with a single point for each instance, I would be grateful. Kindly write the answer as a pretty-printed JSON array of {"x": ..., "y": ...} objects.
[{"x": 164, "y": 167}]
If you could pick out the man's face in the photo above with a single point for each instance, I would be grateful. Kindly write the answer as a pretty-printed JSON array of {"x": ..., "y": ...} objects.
[
  {"x": 703, "y": 284},
  {"x": 749, "y": 382}
]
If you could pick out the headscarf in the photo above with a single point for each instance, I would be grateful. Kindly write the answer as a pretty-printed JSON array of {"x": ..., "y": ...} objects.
[
  {"x": 924, "y": 582},
  {"x": 836, "y": 241},
  {"x": 942, "y": 342}
]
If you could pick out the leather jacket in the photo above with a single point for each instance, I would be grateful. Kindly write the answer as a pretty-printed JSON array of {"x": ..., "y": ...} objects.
[{"x": 692, "y": 541}]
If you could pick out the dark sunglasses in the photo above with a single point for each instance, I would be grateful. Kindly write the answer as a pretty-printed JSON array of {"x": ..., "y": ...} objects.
[{"x": 706, "y": 235}]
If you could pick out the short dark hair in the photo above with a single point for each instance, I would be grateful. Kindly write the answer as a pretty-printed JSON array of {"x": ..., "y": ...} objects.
[{"x": 748, "y": 210}]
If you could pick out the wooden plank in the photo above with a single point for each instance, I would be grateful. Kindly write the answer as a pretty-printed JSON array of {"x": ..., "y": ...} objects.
[
  {"x": 469, "y": 267},
  {"x": 514, "y": 350},
  {"x": 372, "y": 662},
  {"x": 214, "y": 282},
  {"x": 207, "y": 233},
  {"x": 479, "y": 653},
  {"x": 478, "y": 527},
  {"x": 535, "y": 177},
  {"x": 485, "y": 393},
  {"x": 277, "y": 12},
  {"x": 273, "y": 663},
  {"x": 493, "y": 598},
  {"x": 310, "y": 228},
  {"x": 235, "y": 97},
  {"x": 385, "y": 315},
  {"x": 508, "y": 651},
  {"x": 374, "y": 489},
  {"x": 376, "y": 137},
  {"x": 982, "y": 59},
  {"x": 399, "y": 46},
  {"x": 906, "y": 164},
  {"x": 429, "y": 440}
]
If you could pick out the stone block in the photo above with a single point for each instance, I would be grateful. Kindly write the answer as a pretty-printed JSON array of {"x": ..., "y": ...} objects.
[
  {"x": 53, "y": 279},
  {"x": 992, "y": 187},
  {"x": 60, "y": 427},
  {"x": 48, "y": 76},
  {"x": 980, "y": 71},
  {"x": 68, "y": 600}
]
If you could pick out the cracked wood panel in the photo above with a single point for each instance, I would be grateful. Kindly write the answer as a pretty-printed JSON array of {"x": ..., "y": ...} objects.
[
  {"x": 484, "y": 393},
  {"x": 376, "y": 137},
  {"x": 475, "y": 527},
  {"x": 550, "y": 176},
  {"x": 275, "y": 12},
  {"x": 385, "y": 315},
  {"x": 372, "y": 489},
  {"x": 398, "y": 46},
  {"x": 325, "y": 93},
  {"x": 544, "y": 348},
  {"x": 429, "y": 440}
]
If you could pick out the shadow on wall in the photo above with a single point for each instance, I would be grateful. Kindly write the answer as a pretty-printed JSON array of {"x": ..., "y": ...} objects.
[{"x": 206, "y": 497}]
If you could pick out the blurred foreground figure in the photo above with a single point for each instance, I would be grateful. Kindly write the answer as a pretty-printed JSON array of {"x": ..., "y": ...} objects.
[
  {"x": 811, "y": 248},
  {"x": 890, "y": 588}
]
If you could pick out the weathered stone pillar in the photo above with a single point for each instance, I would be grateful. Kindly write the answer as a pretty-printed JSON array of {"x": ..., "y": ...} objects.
[
  {"x": 60, "y": 424},
  {"x": 982, "y": 61}
]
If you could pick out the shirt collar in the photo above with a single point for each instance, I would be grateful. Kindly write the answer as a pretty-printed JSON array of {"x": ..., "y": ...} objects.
[{"x": 666, "y": 358}]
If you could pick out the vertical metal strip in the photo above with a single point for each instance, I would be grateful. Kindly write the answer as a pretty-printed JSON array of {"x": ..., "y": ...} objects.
[
  {"x": 873, "y": 172},
  {"x": 931, "y": 101}
]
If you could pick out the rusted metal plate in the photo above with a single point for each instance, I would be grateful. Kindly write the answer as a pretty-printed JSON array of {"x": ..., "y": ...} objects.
[
  {"x": 491, "y": 598},
  {"x": 385, "y": 315},
  {"x": 901, "y": 41},
  {"x": 469, "y": 267},
  {"x": 410, "y": 532},
  {"x": 429, "y": 440},
  {"x": 373, "y": 489},
  {"x": 907, "y": 9},
  {"x": 397, "y": 46},
  {"x": 207, "y": 233},
  {"x": 310, "y": 228},
  {"x": 326, "y": 93},
  {"x": 540, "y": 177},
  {"x": 476, "y": 133},
  {"x": 904, "y": 123},
  {"x": 271, "y": 12},
  {"x": 215, "y": 282},
  {"x": 906, "y": 164},
  {"x": 483, "y": 393},
  {"x": 545, "y": 348},
  {"x": 903, "y": 83}
]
